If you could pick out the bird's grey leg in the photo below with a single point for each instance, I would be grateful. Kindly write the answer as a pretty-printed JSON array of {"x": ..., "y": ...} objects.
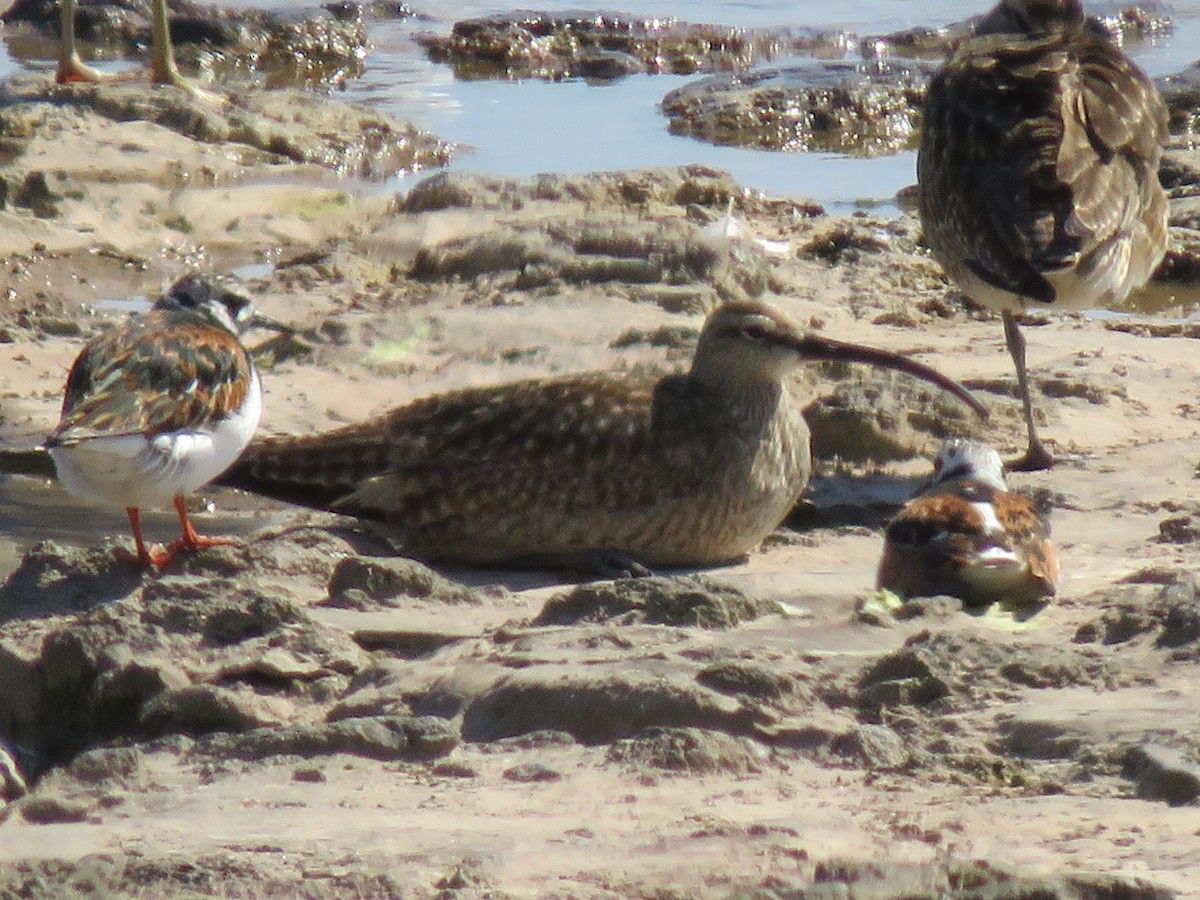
[
  {"x": 162, "y": 63},
  {"x": 1036, "y": 455}
]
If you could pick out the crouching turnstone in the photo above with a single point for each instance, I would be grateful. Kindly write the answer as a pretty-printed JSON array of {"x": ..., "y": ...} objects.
[
  {"x": 965, "y": 535},
  {"x": 159, "y": 406}
]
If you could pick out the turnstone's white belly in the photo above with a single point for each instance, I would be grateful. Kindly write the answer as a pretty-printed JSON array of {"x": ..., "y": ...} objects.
[{"x": 150, "y": 471}]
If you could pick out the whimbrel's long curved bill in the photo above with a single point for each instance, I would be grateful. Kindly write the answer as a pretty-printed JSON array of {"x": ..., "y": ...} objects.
[{"x": 816, "y": 348}]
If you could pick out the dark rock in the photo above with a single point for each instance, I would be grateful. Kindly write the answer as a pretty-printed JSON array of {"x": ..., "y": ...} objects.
[
  {"x": 691, "y": 600},
  {"x": 403, "y": 642},
  {"x": 745, "y": 678},
  {"x": 359, "y": 583},
  {"x": 430, "y": 736},
  {"x": 608, "y": 65},
  {"x": 105, "y": 764},
  {"x": 1163, "y": 774},
  {"x": 940, "y": 607},
  {"x": 381, "y": 738},
  {"x": 290, "y": 46},
  {"x": 843, "y": 242},
  {"x": 693, "y": 751},
  {"x": 377, "y": 690},
  {"x": 199, "y": 709},
  {"x": 54, "y": 580},
  {"x": 530, "y": 772},
  {"x": 48, "y": 810},
  {"x": 449, "y": 190},
  {"x": 836, "y": 108},
  {"x": 874, "y": 747},
  {"x": 271, "y": 126},
  {"x": 881, "y": 418},
  {"x": 1040, "y": 739},
  {"x": 967, "y": 669},
  {"x": 597, "y": 708},
  {"x": 35, "y": 195},
  {"x": 1167, "y": 606},
  {"x": 562, "y": 45},
  {"x": 533, "y": 740}
]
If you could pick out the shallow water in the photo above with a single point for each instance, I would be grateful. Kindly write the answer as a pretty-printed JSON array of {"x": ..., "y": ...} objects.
[{"x": 521, "y": 128}]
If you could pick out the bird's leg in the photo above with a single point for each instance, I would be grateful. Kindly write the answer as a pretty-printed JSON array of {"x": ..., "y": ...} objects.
[
  {"x": 70, "y": 67},
  {"x": 162, "y": 62},
  {"x": 1036, "y": 456},
  {"x": 152, "y": 558},
  {"x": 589, "y": 563},
  {"x": 190, "y": 539}
]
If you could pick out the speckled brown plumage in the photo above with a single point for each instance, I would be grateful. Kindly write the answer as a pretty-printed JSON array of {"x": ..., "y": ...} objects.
[
  {"x": 688, "y": 470},
  {"x": 1039, "y": 169}
]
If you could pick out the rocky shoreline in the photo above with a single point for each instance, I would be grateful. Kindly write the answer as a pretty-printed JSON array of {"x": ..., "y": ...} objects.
[{"x": 312, "y": 714}]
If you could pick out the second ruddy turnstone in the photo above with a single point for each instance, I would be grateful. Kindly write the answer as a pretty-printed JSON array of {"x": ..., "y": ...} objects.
[
  {"x": 967, "y": 536},
  {"x": 159, "y": 406},
  {"x": 1038, "y": 170}
]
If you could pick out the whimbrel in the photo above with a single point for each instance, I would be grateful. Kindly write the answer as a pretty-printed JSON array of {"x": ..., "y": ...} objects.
[
  {"x": 159, "y": 406},
  {"x": 1038, "y": 170},
  {"x": 966, "y": 536},
  {"x": 601, "y": 473},
  {"x": 162, "y": 60}
]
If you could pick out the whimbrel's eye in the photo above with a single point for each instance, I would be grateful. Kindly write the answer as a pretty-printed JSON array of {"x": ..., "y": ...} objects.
[{"x": 754, "y": 333}]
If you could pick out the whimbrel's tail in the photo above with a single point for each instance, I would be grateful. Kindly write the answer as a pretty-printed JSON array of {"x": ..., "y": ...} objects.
[{"x": 316, "y": 471}]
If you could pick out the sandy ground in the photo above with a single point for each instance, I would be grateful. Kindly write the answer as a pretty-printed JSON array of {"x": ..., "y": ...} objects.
[{"x": 808, "y": 751}]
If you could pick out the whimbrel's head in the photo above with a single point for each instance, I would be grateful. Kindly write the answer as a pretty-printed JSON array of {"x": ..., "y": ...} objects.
[
  {"x": 1031, "y": 16},
  {"x": 748, "y": 342},
  {"x": 964, "y": 458}
]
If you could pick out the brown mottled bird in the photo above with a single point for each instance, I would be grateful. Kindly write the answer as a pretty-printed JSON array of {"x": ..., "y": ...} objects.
[
  {"x": 603, "y": 473},
  {"x": 966, "y": 536},
  {"x": 1038, "y": 170}
]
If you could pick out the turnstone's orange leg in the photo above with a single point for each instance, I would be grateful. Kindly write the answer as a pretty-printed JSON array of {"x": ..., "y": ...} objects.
[
  {"x": 190, "y": 539},
  {"x": 152, "y": 558}
]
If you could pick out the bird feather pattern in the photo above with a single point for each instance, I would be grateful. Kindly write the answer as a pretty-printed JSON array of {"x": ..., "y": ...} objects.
[
  {"x": 167, "y": 370},
  {"x": 1038, "y": 202}
]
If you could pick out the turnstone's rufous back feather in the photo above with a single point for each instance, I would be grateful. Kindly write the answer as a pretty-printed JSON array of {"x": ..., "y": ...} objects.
[
  {"x": 1038, "y": 170},
  {"x": 159, "y": 406},
  {"x": 967, "y": 536}
]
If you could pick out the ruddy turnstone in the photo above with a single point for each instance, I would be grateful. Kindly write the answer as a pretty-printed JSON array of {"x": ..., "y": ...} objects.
[
  {"x": 159, "y": 406},
  {"x": 1038, "y": 170},
  {"x": 966, "y": 536},
  {"x": 607, "y": 474},
  {"x": 162, "y": 60}
]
